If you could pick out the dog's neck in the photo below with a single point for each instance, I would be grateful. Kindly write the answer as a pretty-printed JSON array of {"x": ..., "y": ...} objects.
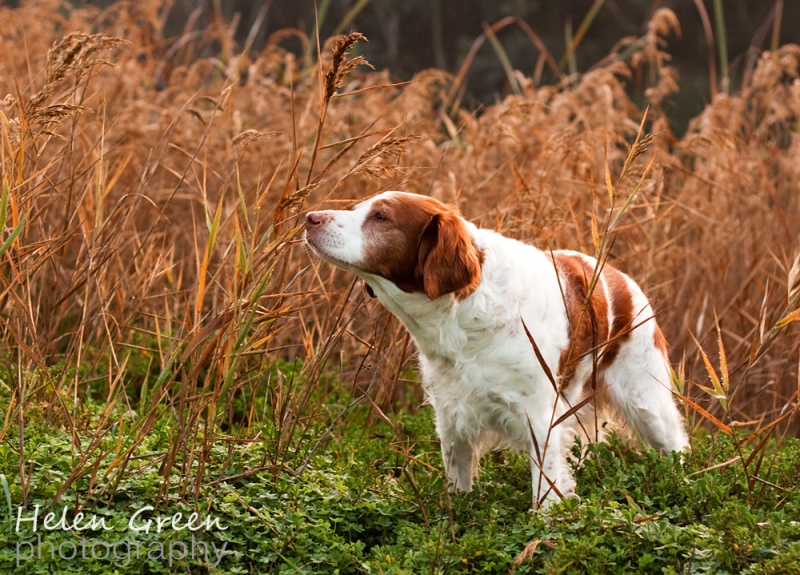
[{"x": 422, "y": 317}]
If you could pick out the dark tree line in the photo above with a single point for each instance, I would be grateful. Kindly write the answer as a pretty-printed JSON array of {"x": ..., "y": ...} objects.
[{"x": 406, "y": 36}]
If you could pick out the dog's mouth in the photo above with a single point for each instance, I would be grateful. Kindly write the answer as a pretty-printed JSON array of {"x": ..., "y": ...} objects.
[
  {"x": 321, "y": 253},
  {"x": 337, "y": 262}
]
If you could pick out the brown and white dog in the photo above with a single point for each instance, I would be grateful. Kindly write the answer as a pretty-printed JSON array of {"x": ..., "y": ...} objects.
[{"x": 463, "y": 293}]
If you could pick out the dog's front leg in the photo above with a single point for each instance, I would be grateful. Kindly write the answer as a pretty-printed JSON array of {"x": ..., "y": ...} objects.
[{"x": 550, "y": 474}]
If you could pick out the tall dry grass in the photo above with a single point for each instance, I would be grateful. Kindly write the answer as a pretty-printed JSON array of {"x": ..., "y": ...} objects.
[{"x": 152, "y": 188}]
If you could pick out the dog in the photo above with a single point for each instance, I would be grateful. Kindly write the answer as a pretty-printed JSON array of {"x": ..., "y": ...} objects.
[{"x": 517, "y": 347}]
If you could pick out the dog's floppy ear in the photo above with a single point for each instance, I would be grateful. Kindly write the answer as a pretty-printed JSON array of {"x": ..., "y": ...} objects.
[{"x": 449, "y": 261}]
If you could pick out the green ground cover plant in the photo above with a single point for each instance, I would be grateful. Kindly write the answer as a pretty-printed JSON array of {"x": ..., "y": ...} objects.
[
  {"x": 166, "y": 341},
  {"x": 374, "y": 500}
]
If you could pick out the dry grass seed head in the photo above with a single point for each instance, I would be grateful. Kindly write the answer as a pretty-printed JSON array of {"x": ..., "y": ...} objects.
[
  {"x": 340, "y": 65},
  {"x": 73, "y": 52},
  {"x": 389, "y": 149}
]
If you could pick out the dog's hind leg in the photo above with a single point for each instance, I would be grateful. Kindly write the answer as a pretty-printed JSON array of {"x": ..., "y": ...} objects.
[
  {"x": 640, "y": 389},
  {"x": 460, "y": 457}
]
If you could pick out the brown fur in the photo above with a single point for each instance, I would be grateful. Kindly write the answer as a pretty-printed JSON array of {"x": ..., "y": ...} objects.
[
  {"x": 587, "y": 312},
  {"x": 422, "y": 246},
  {"x": 622, "y": 310}
]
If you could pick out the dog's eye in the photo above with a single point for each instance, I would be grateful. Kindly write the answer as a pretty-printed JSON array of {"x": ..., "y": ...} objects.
[{"x": 379, "y": 216}]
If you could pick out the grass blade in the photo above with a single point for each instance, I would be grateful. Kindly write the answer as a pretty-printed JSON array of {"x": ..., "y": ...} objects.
[
  {"x": 13, "y": 235},
  {"x": 7, "y": 491}
]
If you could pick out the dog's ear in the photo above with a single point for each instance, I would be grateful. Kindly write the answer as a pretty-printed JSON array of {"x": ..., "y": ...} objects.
[{"x": 448, "y": 260}]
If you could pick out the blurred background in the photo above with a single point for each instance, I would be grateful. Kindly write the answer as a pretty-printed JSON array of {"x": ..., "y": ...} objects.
[{"x": 413, "y": 35}]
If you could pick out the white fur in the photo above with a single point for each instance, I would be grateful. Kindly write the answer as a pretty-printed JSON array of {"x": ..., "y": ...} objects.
[{"x": 480, "y": 371}]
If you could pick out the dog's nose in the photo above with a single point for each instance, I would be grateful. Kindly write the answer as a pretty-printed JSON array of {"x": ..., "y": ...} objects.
[{"x": 313, "y": 219}]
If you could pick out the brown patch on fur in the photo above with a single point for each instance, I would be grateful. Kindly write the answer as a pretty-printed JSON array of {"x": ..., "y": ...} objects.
[
  {"x": 622, "y": 310},
  {"x": 449, "y": 260},
  {"x": 587, "y": 312},
  {"x": 421, "y": 245}
]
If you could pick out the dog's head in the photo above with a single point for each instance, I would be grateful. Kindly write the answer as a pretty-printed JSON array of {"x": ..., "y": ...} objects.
[{"x": 417, "y": 243}]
